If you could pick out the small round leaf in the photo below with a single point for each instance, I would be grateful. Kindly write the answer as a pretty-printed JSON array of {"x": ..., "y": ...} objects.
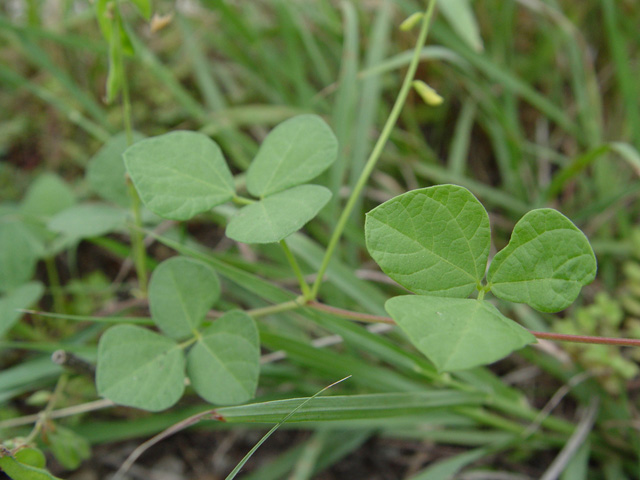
[
  {"x": 279, "y": 215},
  {"x": 224, "y": 364},
  {"x": 88, "y": 220},
  {"x": 179, "y": 174},
  {"x": 296, "y": 151},
  {"x": 457, "y": 333},
  {"x": 181, "y": 292},
  {"x": 106, "y": 172},
  {"x": 21, "y": 297},
  {"x": 139, "y": 368},
  {"x": 546, "y": 263},
  {"x": 20, "y": 250},
  {"x": 433, "y": 241}
]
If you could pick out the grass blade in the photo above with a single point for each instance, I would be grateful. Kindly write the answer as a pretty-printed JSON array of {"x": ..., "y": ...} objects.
[{"x": 246, "y": 458}]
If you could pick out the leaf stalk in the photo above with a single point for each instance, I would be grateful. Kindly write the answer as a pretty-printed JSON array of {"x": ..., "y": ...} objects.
[{"x": 377, "y": 150}]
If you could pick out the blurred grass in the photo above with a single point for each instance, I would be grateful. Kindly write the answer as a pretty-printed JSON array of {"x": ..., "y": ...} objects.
[{"x": 541, "y": 109}]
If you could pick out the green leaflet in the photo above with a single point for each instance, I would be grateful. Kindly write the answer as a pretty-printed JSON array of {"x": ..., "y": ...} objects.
[
  {"x": 433, "y": 241},
  {"x": 106, "y": 172},
  {"x": 22, "y": 297},
  {"x": 31, "y": 456},
  {"x": 20, "y": 250},
  {"x": 295, "y": 152},
  {"x": 181, "y": 292},
  {"x": 224, "y": 364},
  {"x": 546, "y": 263},
  {"x": 139, "y": 368},
  {"x": 456, "y": 333},
  {"x": 19, "y": 471},
  {"x": 69, "y": 448},
  {"x": 279, "y": 215},
  {"x": 179, "y": 174},
  {"x": 88, "y": 220},
  {"x": 46, "y": 196}
]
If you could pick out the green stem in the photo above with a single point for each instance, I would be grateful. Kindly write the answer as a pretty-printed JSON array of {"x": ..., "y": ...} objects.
[
  {"x": 59, "y": 303},
  {"x": 280, "y": 307},
  {"x": 191, "y": 341},
  {"x": 46, "y": 413},
  {"x": 137, "y": 240},
  {"x": 243, "y": 200},
  {"x": 361, "y": 317},
  {"x": 304, "y": 287},
  {"x": 126, "y": 104},
  {"x": 377, "y": 150}
]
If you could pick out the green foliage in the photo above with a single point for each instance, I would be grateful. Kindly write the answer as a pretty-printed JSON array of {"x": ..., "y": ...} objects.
[
  {"x": 69, "y": 448},
  {"x": 31, "y": 456},
  {"x": 296, "y": 151},
  {"x": 546, "y": 263},
  {"x": 46, "y": 196},
  {"x": 144, "y": 369},
  {"x": 106, "y": 172},
  {"x": 435, "y": 242},
  {"x": 272, "y": 218},
  {"x": 179, "y": 174},
  {"x": 24, "y": 464},
  {"x": 181, "y": 292},
  {"x": 140, "y": 368},
  {"x": 20, "y": 250},
  {"x": 19, "y": 298},
  {"x": 223, "y": 365},
  {"x": 457, "y": 333},
  {"x": 88, "y": 220},
  {"x": 261, "y": 64}
]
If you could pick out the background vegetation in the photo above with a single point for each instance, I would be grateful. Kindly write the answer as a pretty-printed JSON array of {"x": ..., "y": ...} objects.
[{"x": 541, "y": 108}]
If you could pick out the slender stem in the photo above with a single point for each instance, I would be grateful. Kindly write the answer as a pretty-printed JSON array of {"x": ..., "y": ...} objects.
[
  {"x": 137, "y": 239},
  {"x": 377, "y": 150},
  {"x": 44, "y": 416},
  {"x": 280, "y": 307},
  {"x": 126, "y": 105},
  {"x": 190, "y": 341},
  {"x": 243, "y": 200},
  {"x": 59, "y": 304},
  {"x": 361, "y": 317},
  {"x": 304, "y": 287},
  {"x": 559, "y": 337}
]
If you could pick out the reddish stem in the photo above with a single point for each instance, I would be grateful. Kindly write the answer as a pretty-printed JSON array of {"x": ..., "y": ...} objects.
[
  {"x": 561, "y": 337},
  {"x": 558, "y": 337}
]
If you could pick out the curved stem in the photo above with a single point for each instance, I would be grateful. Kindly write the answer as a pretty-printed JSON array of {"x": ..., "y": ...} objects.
[{"x": 376, "y": 152}]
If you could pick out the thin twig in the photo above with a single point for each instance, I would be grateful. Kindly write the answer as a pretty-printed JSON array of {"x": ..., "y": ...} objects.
[
  {"x": 577, "y": 439},
  {"x": 361, "y": 317},
  {"x": 63, "y": 412},
  {"x": 172, "y": 430},
  {"x": 561, "y": 337}
]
